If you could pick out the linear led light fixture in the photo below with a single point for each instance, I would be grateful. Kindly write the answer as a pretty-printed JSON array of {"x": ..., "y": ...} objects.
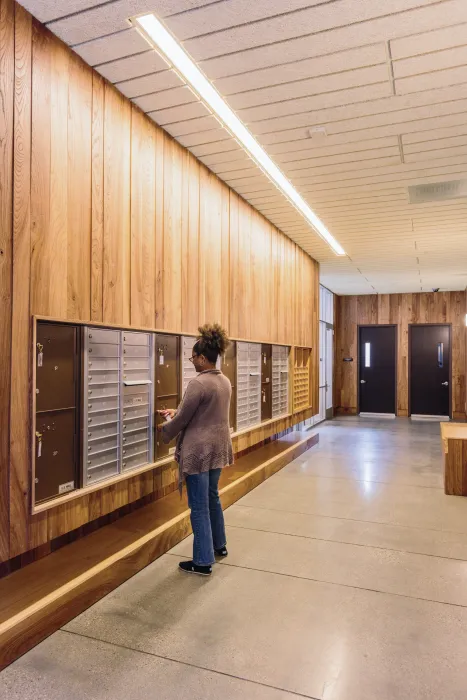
[{"x": 162, "y": 40}]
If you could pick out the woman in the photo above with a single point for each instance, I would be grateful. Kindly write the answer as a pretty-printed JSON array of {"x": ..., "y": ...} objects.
[{"x": 204, "y": 447}]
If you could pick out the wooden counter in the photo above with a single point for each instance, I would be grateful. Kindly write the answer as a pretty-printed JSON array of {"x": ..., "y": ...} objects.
[{"x": 454, "y": 439}]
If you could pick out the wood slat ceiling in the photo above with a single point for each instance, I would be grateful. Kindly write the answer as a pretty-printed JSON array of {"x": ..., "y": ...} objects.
[{"x": 387, "y": 79}]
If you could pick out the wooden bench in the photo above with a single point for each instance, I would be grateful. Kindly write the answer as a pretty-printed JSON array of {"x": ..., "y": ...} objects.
[
  {"x": 39, "y": 599},
  {"x": 454, "y": 439}
]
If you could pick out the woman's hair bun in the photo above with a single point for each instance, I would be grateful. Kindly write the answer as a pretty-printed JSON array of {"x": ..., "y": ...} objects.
[{"x": 214, "y": 337}]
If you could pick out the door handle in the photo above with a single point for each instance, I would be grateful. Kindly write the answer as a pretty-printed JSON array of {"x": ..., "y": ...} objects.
[
  {"x": 362, "y": 381},
  {"x": 444, "y": 383}
]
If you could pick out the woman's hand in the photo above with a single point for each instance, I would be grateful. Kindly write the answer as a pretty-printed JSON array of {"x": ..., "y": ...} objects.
[{"x": 166, "y": 413}]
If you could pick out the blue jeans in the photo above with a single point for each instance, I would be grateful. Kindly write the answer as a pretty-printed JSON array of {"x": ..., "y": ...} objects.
[{"x": 207, "y": 518}]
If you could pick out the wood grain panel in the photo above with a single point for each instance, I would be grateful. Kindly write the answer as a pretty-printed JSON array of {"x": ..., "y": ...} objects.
[
  {"x": 210, "y": 247},
  {"x": 225, "y": 258},
  {"x": 41, "y": 277},
  {"x": 275, "y": 273},
  {"x": 172, "y": 245},
  {"x": 190, "y": 251},
  {"x": 402, "y": 310},
  {"x": 97, "y": 198},
  {"x": 143, "y": 220},
  {"x": 116, "y": 271},
  {"x": 235, "y": 290},
  {"x": 159, "y": 281},
  {"x": 79, "y": 223},
  {"x": 244, "y": 296},
  {"x": 455, "y": 468},
  {"x": 7, "y": 88},
  {"x": 19, "y": 408},
  {"x": 260, "y": 276},
  {"x": 57, "y": 123}
]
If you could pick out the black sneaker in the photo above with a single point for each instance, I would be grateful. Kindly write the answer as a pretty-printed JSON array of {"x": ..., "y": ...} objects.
[
  {"x": 221, "y": 553},
  {"x": 190, "y": 567}
]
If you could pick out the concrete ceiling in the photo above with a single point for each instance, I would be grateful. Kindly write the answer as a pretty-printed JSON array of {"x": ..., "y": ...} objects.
[{"x": 387, "y": 79}]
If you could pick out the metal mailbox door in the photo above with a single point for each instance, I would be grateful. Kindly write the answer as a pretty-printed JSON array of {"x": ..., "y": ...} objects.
[
  {"x": 55, "y": 460},
  {"x": 167, "y": 365},
  {"x": 56, "y": 349},
  {"x": 229, "y": 368},
  {"x": 162, "y": 450}
]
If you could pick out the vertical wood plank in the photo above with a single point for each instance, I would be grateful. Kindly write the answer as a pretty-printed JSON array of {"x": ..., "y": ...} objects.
[
  {"x": 143, "y": 220},
  {"x": 97, "y": 198},
  {"x": 210, "y": 247},
  {"x": 57, "y": 262},
  {"x": 20, "y": 409},
  {"x": 159, "y": 248},
  {"x": 225, "y": 257},
  {"x": 7, "y": 87},
  {"x": 275, "y": 267},
  {"x": 67, "y": 517},
  {"x": 234, "y": 314},
  {"x": 173, "y": 178},
  {"x": 244, "y": 299},
  {"x": 40, "y": 171},
  {"x": 190, "y": 252},
  {"x": 260, "y": 275},
  {"x": 116, "y": 277},
  {"x": 79, "y": 189}
]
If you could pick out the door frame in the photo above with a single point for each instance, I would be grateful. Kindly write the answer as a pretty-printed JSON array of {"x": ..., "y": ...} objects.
[
  {"x": 409, "y": 364},
  {"x": 377, "y": 325}
]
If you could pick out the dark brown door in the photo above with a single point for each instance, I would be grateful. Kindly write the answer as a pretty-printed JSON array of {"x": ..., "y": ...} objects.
[
  {"x": 229, "y": 368},
  {"x": 57, "y": 399},
  {"x": 377, "y": 369},
  {"x": 55, "y": 370},
  {"x": 162, "y": 450},
  {"x": 167, "y": 365},
  {"x": 56, "y": 456},
  {"x": 430, "y": 370},
  {"x": 266, "y": 382}
]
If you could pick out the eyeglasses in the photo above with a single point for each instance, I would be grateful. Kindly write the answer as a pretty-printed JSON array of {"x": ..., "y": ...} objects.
[{"x": 193, "y": 358}]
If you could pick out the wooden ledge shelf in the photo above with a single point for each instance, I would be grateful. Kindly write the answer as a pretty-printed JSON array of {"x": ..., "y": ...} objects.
[{"x": 39, "y": 599}]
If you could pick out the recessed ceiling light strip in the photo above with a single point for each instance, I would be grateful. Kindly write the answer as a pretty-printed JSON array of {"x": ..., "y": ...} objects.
[{"x": 163, "y": 41}]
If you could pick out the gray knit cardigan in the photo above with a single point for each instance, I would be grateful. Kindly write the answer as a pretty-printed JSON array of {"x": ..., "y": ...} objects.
[{"x": 202, "y": 425}]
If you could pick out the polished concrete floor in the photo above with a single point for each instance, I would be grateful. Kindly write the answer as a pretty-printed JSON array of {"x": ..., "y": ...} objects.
[{"x": 346, "y": 580}]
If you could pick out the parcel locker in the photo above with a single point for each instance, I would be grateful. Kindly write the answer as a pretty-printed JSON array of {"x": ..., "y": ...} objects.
[
  {"x": 137, "y": 399},
  {"x": 167, "y": 373},
  {"x": 167, "y": 365},
  {"x": 102, "y": 395},
  {"x": 56, "y": 366},
  {"x": 266, "y": 384},
  {"x": 57, "y": 396},
  {"x": 229, "y": 368},
  {"x": 280, "y": 380},
  {"x": 56, "y": 443},
  {"x": 162, "y": 449}
]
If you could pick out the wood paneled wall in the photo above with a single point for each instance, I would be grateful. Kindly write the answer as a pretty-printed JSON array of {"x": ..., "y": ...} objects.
[
  {"x": 399, "y": 309},
  {"x": 103, "y": 217}
]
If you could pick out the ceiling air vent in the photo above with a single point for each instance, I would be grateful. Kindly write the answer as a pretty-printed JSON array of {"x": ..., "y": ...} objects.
[{"x": 437, "y": 191}]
